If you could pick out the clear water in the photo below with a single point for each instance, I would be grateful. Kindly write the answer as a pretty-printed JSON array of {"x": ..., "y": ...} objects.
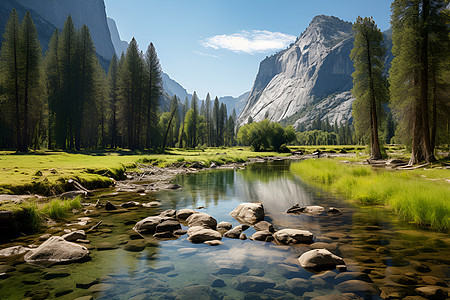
[{"x": 369, "y": 240}]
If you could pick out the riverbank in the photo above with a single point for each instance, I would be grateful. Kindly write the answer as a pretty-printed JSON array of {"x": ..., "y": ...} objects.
[{"x": 419, "y": 196}]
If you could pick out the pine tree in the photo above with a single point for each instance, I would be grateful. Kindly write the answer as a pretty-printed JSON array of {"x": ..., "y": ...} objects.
[
  {"x": 154, "y": 91},
  {"x": 369, "y": 88},
  {"x": 216, "y": 121},
  {"x": 195, "y": 111},
  {"x": 113, "y": 95},
  {"x": 11, "y": 64},
  {"x": 417, "y": 25},
  {"x": 208, "y": 112}
]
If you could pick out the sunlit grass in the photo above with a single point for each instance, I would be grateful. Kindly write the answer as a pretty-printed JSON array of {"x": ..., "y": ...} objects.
[
  {"x": 408, "y": 193},
  {"x": 58, "y": 209}
]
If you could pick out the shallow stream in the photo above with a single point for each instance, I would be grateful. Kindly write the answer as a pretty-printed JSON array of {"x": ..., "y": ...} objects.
[{"x": 394, "y": 258}]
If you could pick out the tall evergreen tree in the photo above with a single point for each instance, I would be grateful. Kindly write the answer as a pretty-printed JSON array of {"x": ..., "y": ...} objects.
[
  {"x": 195, "y": 112},
  {"x": 216, "y": 121},
  {"x": 208, "y": 112},
  {"x": 113, "y": 95},
  {"x": 417, "y": 25},
  {"x": 11, "y": 64},
  {"x": 154, "y": 91},
  {"x": 369, "y": 86}
]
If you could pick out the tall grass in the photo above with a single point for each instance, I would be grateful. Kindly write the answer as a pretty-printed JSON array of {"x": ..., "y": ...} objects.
[
  {"x": 59, "y": 209},
  {"x": 408, "y": 194}
]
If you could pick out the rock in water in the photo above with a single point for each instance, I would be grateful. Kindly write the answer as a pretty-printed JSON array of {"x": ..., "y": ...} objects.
[
  {"x": 264, "y": 225},
  {"x": 264, "y": 236},
  {"x": 56, "y": 250},
  {"x": 185, "y": 213},
  {"x": 249, "y": 213},
  {"x": 201, "y": 219},
  {"x": 148, "y": 224},
  {"x": 320, "y": 259},
  {"x": 293, "y": 236},
  {"x": 254, "y": 284},
  {"x": 198, "y": 234},
  {"x": 225, "y": 226},
  {"x": 15, "y": 250},
  {"x": 75, "y": 235}
]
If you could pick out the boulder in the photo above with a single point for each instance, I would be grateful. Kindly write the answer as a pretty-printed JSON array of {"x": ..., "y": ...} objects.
[
  {"x": 168, "y": 225},
  {"x": 148, "y": 224},
  {"x": 56, "y": 250},
  {"x": 357, "y": 286},
  {"x": 201, "y": 235},
  {"x": 201, "y": 219},
  {"x": 313, "y": 209},
  {"x": 224, "y": 226},
  {"x": 74, "y": 235},
  {"x": 249, "y": 213},
  {"x": 235, "y": 233},
  {"x": 295, "y": 209},
  {"x": 15, "y": 250},
  {"x": 264, "y": 225},
  {"x": 184, "y": 213},
  {"x": 320, "y": 259},
  {"x": 171, "y": 213},
  {"x": 109, "y": 206},
  {"x": 293, "y": 236},
  {"x": 243, "y": 236},
  {"x": 432, "y": 292},
  {"x": 151, "y": 204},
  {"x": 254, "y": 284},
  {"x": 298, "y": 286},
  {"x": 264, "y": 236},
  {"x": 135, "y": 246}
]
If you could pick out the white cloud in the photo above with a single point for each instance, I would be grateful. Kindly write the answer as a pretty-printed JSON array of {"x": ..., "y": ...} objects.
[
  {"x": 205, "y": 54},
  {"x": 255, "y": 41}
]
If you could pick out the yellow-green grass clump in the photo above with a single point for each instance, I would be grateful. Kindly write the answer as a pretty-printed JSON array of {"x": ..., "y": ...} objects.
[
  {"x": 421, "y": 196},
  {"x": 59, "y": 209}
]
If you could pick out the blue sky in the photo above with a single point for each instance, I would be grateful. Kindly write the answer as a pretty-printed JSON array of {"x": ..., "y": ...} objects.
[{"x": 216, "y": 45}]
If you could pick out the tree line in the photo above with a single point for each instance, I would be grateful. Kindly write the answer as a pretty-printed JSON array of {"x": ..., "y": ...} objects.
[
  {"x": 417, "y": 90},
  {"x": 65, "y": 100}
]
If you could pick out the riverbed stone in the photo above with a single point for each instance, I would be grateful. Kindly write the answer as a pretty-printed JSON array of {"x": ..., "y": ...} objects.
[
  {"x": 293, "y": 236},
  {"x": 151, "y": 204},
  {"x": 431, "y": 280},
  {"x": 263, "y": 225},
  {"x": 109, "y": 206},
  {"x": 130, "y": 204},
  {"x": 352, "y": 276},
  {"x": 402, "y": 279},
  {"x": 243, "y": 236},
  {"x": 201, "y": 235},
  {"x": 322, "y": 245},
  {"x": 184, "y": 213},
  {"x": 298, "y": 286},
  {"x": 201, "y": 219},
  {"x": 248, "y": 213},
  {"x": 101, "y": 287},
  {"x": 392, "y": 292},
  {"x": 320, "y": 259},
  {"x": 225, "y": 226},
  {"x": 432, "y": 292},
  {"x": 172, "y": 213},
  {"x": 198, "y": 292},
  {"x": 229, "y": 267},
  {"x": 164, "y": 235},
  {"x": 357, "y": 286},
  {"x": 56, "y": 273},
  {"x": 15, "y": 250},
  {"x": 289, "y": 271},
  {"x": 148, "y": 224},
  {"x": 85, "y": 283},
  {"x": 56, "y": 250},
  {"x": 235, "y": 232},
  {"x": 263, "y": 236},
  {"x": 180, "y": 232},
  {"x": 74, "y": 235},
  {"x": 168, "y": 225},
  {"x": 333, "y": 210},
  {"x": 254, "y": 284},
  {"x": 213, "y": 243},
  {"x": 135, "y": 246}
]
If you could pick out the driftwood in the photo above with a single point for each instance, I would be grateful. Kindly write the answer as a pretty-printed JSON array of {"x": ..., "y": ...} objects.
[
  {"x": 79, "y": 187},
  {"x": 409, "y": 167},
  {"x": 94, "y": 227}
]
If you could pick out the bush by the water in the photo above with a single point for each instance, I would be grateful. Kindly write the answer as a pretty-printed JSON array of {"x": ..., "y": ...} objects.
[
  {"x": 265, "y": 135},
  {"x": 412, "y": 197}
]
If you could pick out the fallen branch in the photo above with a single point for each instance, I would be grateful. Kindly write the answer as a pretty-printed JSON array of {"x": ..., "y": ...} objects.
[{"x": 94, "y": 227}]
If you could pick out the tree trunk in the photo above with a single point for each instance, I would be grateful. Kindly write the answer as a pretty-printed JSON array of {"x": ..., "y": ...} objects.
[
  {"x": 375, "y": 144},
  {"x": 429, "y": 154},
  {"x": 417, "y": 152}
]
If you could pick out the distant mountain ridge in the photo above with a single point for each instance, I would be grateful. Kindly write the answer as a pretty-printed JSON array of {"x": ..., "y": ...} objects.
[{"x": 309, "y": 79}]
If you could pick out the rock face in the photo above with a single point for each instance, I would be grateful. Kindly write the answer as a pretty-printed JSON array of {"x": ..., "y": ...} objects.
[
  {"x": 56, "y": 250},
  {"x": 320, "y": 259},
  {"x": 119, "y": 45},
  {"x": 293, "y": 236},
  {"x": 89, "y": 12},
  {"x": 249, "y": 213},
  {"x": 314, "y": 71}
]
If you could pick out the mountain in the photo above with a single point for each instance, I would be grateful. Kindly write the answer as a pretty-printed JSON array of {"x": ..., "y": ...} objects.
[
  {"x": 119, "y": 45},
  {"x": 310, "y": 79},
  {"x": 91, "y": 13},
  {"x": 235, "y": 103},
  {"x": 44, "y": 28},
  {"x": 171, "y": 87}
]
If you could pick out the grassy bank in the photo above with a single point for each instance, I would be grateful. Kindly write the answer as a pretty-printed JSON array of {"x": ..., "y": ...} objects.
[
  {"x": 47, "y": 172},
  {"x": 421, "y": 196}
]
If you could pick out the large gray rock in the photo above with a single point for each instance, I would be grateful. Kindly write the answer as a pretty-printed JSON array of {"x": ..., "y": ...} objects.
[
  {"x": 201, "y": 219},
  {"x": 293, "y": 236},
  {"x": 56, "y": 250},
  {"x": 254, "y": 284},
  {"x": 248, "y": 213},
  {"x": 199, "y": 234},
  {"x": 235, "y": 233},
  {"x": 168, "y": 225},
  {"x": 148, "y": 224},
  {"x": 320, "y": 259},
  {"x": 264, "y": 225},
  {"x": 263, "y": 236},
  {"x": 225, "y": 226},
  {"x": 74, "y": 235},
  {"x": 185, "y": 213}
]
